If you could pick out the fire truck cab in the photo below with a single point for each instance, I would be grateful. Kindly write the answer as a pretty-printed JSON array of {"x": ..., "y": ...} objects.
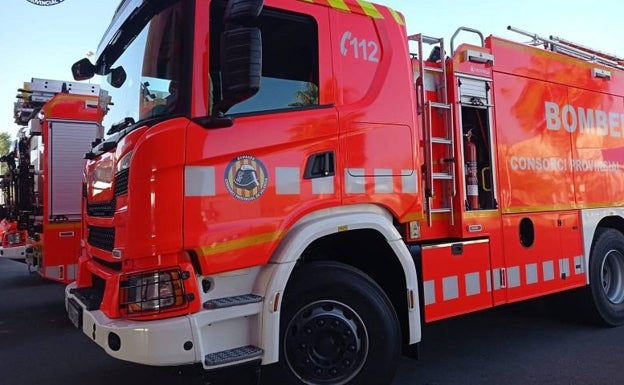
[{"x": 285, "y": 183}]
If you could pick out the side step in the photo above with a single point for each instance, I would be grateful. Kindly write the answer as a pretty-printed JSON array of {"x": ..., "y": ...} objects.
[
  {"x": 238, "y": 300},
  {"x": 244, "y": 353}
]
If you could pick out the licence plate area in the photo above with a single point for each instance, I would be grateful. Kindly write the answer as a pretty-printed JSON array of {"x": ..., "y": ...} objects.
[{"x": 74, "y": 312}]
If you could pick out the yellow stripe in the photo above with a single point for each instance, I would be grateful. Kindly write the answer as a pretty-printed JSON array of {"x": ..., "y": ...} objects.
[
  {"x": 529, "y": 209},
  {"x": 241, "y": 243},
  {"x": 481, "y": 214},
  {"x": 397, "y": 16},
  {"x": 63, "y": 226},
  {"x": 339, "y": 4},
  {"x": 411, "y": 217},
  {"x": 369, "y": 9}
]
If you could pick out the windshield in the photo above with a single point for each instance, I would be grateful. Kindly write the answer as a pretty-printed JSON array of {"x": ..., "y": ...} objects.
[{"x": 153, "y": 65}]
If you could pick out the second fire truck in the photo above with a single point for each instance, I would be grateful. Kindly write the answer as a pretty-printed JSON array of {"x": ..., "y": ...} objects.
[
  {"x": 285, "y": 184},
  {"x": 61, "y": 120}
]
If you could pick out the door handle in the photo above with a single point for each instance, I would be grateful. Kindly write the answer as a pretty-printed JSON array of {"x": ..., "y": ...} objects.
[{"x": 320, "y": 165}]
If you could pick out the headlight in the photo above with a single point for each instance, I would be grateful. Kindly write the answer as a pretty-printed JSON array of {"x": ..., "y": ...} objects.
[
  {"x": 152, "y": 292},
  {"x": 124, "y": 162},
  {"x": 14, "y": 238},
  {"x": 103, "y": 172}
]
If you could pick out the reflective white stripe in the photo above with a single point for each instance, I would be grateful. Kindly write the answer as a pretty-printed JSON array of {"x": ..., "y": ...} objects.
[
  {"x": 54, "y": 272},
  {"x": 549, "y": 270},
  {"x": 564, "y": 267},
  {"x": 355, "y": 181},
  {"x": 579, "y": 265},
  {"x": 531, "y": 273},
  {"x": 429, "y": 287},
  {"x": 513, "y": 276},
  {"x": 323, "y": 185},
  {"x": 409, "y": 183},
  {"x": 493, "y": 279},
  {"x": 287, "y": 181},
  {"x": 496, "y": 278},
  {"x": 199, "y": 181},
  {"x": 473, "y": 285},
  {"x": 450, "y": 288},
  {"x": 71, "y": 271},
  {"x": 383, "y": 181}
]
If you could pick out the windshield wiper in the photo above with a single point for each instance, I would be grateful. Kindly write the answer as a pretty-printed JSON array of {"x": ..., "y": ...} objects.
[{"x": 126, "y": 122}]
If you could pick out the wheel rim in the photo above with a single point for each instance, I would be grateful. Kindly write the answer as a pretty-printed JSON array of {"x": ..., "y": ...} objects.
[
  {"x": 326, "y": 342},
  {"x": 612, "y": 276}
]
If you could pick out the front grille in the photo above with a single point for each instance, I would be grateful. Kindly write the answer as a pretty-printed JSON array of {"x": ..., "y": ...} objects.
[
  {"x": 102, "y": 237},
  {"x": 103, "y": 209},
  {"x": 91, "y": 296},
  {"x": 111, "y": 265},
  {"x": 121, "y": 182}
]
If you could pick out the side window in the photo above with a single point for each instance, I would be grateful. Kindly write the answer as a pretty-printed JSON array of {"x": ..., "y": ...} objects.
[{"x": 290, "y": 69}]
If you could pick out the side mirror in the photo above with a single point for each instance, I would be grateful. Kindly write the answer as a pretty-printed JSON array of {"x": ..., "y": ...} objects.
[
  {"x": 241, "y": 64},
  {"x": 83, "y": 69},
  {"x": 116, "y": 77}
]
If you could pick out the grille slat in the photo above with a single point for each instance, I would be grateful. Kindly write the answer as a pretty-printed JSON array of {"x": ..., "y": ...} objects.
[
  {"x": 111, "y": 265},
  {"x": 103, "y": 209},
  {"x": 101, "y": 237},
  {"x": 121, "y": 182}
]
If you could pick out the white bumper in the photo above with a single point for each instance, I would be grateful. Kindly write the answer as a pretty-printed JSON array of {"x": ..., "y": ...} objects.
[
  {"x": 159, "y": 343},
  {"x": 18, "y": 252},
  {"x": 181, "y": 340}
]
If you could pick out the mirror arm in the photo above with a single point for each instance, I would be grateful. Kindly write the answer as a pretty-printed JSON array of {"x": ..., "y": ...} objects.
[{"x": 212, "y": 122}]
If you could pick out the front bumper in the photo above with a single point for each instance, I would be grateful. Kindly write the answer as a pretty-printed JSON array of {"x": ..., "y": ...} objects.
[
  {"x": 181, "y": 340},
  {"x": 167, "y": 342},
  {"x": 18, "y": 252}
]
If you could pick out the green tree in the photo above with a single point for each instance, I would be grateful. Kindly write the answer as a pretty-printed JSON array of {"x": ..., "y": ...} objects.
[
  {"x": 5, "y": 147},
  {"x": 307, "y": 97}
]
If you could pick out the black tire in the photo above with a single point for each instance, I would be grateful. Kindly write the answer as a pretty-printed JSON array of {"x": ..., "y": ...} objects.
[
  {"x": 606, "y": 276},
  {"x": 337, "y": 327}
]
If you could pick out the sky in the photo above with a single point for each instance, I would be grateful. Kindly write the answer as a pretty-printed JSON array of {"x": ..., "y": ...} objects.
[{"x": 44, "y": 41}]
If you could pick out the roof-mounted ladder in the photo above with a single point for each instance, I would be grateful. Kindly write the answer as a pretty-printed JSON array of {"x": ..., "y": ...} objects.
[
  {"x": 567, "y": 47},
  {"x": 426, "y": 110},
  {"x": 37, "y": 92}
]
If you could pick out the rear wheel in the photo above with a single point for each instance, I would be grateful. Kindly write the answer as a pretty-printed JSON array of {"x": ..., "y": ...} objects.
[
  {"x": 606, "y": 272},
  {"x": 337, "y": 327}
]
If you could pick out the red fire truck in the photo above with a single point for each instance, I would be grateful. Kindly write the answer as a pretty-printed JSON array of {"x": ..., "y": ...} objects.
[
  {"x": 61, "y": 121},
  {"x": 287, "y": 185}
]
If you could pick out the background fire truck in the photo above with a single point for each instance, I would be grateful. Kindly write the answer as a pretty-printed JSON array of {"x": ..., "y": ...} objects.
[
  {"x": 61, "y": 122},
  {"x": 288, "y": 185}
]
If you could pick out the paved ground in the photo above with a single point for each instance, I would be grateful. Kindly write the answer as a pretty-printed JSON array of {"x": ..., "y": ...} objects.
[{"x": 534, "y": 343}]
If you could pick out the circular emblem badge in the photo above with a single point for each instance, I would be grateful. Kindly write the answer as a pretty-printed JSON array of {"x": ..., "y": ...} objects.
[
  {"x": 45, "y": 3},
  {"x": 246, "y": 178}
]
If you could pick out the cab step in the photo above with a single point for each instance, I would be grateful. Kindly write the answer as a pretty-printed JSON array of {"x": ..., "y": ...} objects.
[
  {"x": 238, "y": 300},
  {"x": 241, "y": 354}
]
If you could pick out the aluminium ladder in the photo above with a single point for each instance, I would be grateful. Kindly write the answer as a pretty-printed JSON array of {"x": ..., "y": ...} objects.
[{"x": 426, "y": 108}]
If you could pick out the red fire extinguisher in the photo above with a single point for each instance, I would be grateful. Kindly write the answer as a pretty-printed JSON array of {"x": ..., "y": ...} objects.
[{"x": 472, "y": 181}]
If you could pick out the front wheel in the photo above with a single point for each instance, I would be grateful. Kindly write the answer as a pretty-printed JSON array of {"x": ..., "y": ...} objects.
[
  {"x": 337, "y": 327},
  {"x": 606, "y": 273}
]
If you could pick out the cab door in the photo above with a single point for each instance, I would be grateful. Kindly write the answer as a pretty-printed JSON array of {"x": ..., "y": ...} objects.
[{"x": 246, "y": 184}]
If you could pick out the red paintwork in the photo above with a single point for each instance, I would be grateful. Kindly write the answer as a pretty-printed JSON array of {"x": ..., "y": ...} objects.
[
  {"x": 370, "y": 122},
  {"x": 59, "y": 243}
]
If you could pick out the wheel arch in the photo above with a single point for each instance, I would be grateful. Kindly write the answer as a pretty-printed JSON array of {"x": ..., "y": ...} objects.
[
  {"x": 363, "y": 228},
  {"x": 593, "y": 219}
]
